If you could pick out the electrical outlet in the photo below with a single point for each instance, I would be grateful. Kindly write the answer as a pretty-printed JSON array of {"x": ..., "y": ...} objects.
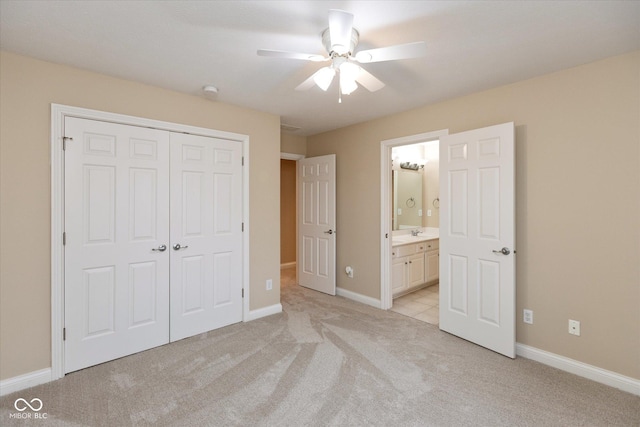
[
  {"x": 527, "y": 316},
  {"x": 574, "y": 327},
  {"x": 269, "y": 284},
  {"x": 349, "y": 271}
]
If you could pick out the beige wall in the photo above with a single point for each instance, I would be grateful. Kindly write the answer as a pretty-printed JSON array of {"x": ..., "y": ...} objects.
[
  {"x": 28, "y": 87},
  {"x": 293, "y": 144},
  {"x": 287, "y": 211},
  {"x": 578, "y": 202}
]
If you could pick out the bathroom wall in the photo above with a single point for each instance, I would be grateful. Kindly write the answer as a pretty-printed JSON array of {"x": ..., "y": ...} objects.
[
  {"x": 431, "y": 190},
  {"x": 577, "y": 202},
  {"x": 432, "y": 184}
]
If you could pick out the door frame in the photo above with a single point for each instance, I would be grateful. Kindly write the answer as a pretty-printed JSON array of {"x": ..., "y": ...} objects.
[
  {"x": 58, "y": 114},
  {"x": 386, "y": 293}
]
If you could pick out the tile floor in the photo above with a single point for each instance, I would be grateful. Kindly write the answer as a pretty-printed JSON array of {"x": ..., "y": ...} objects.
[{"x": 423, "y": 304}]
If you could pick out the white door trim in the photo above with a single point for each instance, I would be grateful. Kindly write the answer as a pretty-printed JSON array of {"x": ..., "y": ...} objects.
[
  {"x": 386, "y": 296},
  {"x": 58, "y": 114},
  {"x": 291, "y": 156}
]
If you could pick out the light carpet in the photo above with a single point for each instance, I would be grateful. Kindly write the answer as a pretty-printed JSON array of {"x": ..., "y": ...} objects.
[{"x": 325, "y": 361}]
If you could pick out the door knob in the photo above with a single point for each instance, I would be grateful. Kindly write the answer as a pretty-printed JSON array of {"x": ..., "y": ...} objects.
[
  {"x": 503, "y": 251},
  {"x": 160, "y": 248},
  {"x": 329, "y": 232},
  {"x": 177, "y": 247}
]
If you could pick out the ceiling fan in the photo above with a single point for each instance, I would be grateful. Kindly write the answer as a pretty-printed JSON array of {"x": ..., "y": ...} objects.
[{"x": 340, "y": 41}]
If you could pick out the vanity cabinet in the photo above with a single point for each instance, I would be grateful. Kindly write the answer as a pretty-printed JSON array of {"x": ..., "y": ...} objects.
[
  {"x": 432, "y": 264},
  {"x": 399, "y": 274},
  {"x": 413, "y": 265}
]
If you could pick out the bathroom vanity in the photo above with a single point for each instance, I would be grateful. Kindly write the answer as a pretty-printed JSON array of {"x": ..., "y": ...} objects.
[{"x": 414, "y": 262}]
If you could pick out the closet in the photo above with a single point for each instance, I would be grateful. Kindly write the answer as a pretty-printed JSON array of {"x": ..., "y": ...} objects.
[{"x": 152, "y": 239}]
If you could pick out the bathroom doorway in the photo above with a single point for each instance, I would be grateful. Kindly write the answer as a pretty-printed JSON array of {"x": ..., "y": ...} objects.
[
  {"x": 387, "y": 270},
  {"x": 415, "y": 196}
]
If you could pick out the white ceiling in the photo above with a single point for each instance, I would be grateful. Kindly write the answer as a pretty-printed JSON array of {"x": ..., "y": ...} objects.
[{"x": 185, "y": 45}]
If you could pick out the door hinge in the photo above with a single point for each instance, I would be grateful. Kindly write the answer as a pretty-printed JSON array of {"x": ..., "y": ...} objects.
[
  {"x": 242, "y": 292},
  {"x": 243, "y": 227},
  {"x": 64, "y": 334},
  {"x": 64, "y": 142},
  {"x": 64, "y": 238},
  {"x": 242, "y": 160}
]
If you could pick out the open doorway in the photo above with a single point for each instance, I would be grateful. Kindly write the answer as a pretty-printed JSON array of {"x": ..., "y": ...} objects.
[
  {"x": 415, "y": 195},
  {"x": 316, "y": 222},
  {"x": 288, "y": 239},
  {"x": 400, "y": 272},
  {"x": 288, "y": 218}
]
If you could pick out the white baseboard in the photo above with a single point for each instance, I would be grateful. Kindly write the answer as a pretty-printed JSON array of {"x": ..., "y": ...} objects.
[
  {"x": 358, "y": 297},
  {"x": 21, "y": 382},
  {"x": 287, "y": 265},
  {"x": 263, "y": 312},
  {"x": 591, "y": 372}
]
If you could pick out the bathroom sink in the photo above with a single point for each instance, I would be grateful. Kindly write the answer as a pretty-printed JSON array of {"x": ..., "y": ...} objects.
[
  {"x": 405, "y": 238},
  {"x": 408, "y": 238}
]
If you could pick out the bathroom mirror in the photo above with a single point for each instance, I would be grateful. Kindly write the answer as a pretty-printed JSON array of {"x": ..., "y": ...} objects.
[
  {"x": 415, "y": 175},
  {"x": 407, "y": 199}
]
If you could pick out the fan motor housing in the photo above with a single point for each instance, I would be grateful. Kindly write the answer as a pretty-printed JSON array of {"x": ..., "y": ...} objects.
[{"x": 326, "y": 41}]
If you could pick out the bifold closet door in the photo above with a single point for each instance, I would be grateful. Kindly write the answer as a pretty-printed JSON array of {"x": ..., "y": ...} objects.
[
  {"x": 117, "y": 237},
  {"x": 206, "y": 234},
  {"x": 153, "y": 224}
]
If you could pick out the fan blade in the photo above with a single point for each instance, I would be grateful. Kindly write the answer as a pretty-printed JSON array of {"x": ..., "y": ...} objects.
[
  {"x": 391, "y": 53},
  {"x": 340, "y": 29},
  {"x": 369, "y": 81},
  {"x": 291, "y": 55}
]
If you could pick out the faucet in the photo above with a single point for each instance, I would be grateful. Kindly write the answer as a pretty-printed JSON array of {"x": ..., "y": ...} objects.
[{"x": 415, "y": 232}]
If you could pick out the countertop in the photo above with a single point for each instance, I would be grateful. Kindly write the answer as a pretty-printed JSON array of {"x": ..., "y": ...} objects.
[{"x": 406, "y": 239}]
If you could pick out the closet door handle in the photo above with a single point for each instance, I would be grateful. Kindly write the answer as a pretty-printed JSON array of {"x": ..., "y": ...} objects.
[
  {"x": 160, "y": 248},
  {"x": 177, "y": 247}
]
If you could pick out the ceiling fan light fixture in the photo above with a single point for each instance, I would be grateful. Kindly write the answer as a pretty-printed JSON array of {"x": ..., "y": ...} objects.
[
  {"x": 347, "y": 85},
  {"x": 348, "y": 75},
  {"x": 349, "y": 70},
  {"x": 324, "y": 77},
  {"x": 340, "y": 40},
  {"x": 363, "y": 57}
]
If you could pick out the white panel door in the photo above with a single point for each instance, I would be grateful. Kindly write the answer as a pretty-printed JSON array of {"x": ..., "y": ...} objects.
[
  {"x": 206, "y": 234},
  {"x": 317, "y": 223},
  {"x": 116, "y": 225},
  {"x": 477, "y": 237}
]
